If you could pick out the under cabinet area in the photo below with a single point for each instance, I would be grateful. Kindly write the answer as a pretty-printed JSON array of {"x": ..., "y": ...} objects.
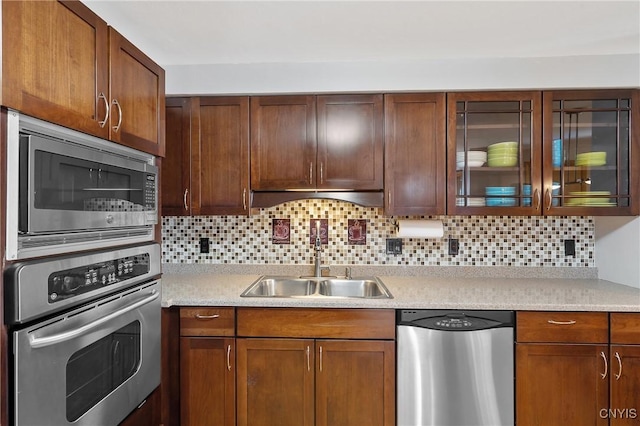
[
  {"x": 67, "y": 66},
  {"x": 577, "y": 368}
]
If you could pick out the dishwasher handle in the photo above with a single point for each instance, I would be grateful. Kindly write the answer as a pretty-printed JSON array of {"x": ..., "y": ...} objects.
[{"x": 445, "y": 320}]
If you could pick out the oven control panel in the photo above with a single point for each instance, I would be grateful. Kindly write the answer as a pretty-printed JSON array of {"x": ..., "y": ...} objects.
[{"x": 87, "y": 278}]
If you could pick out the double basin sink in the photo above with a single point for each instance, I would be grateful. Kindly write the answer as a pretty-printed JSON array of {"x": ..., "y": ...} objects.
[{"x": 357, "y": 287}]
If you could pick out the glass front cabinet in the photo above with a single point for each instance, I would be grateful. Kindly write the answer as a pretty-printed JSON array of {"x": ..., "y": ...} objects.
[
  {"x": 543, "y": 153},
  {"x": 494, "y": 155},
  {"x": 591, "y": 154}
]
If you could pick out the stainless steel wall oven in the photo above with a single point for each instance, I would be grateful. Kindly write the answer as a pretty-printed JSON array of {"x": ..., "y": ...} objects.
[
  {"x": 84, "y": 334},
  {"x": 68, "y": 191}
]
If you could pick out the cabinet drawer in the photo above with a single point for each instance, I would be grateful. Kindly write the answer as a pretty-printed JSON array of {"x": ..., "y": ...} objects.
[
  {"x": 565, "y": 327},
  {"x": 314, "y": 323},
  {"x": 625, "y": 328},
  {"x": 207, "y": 321}
]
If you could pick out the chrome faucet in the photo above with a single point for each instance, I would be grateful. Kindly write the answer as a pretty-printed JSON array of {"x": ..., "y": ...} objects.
[{"x": 318, "y": 249}]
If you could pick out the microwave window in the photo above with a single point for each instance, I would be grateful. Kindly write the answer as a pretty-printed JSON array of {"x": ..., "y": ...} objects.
[
  {"x": 66, "y": 183},
  {"x": 96, "y": 370}
]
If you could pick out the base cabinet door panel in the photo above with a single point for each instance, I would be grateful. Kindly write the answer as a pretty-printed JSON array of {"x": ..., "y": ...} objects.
[
  {"x": 561, "y": 384},
  {"x": 355, "y": 383},
  {"x": 275, "y": 382},
  {"x": 207, "y": 381}
]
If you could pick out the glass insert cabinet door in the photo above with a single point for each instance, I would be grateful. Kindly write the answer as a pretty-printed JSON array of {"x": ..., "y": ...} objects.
[
  {"x": 590, "y": 152},
  {"x": 494, "y": 152}
]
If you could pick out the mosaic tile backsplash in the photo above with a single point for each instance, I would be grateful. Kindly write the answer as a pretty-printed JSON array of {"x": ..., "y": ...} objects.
[{"x": 484, "y": 240}]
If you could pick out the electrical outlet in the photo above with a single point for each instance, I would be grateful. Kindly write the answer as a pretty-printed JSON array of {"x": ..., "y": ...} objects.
[
  {"x": 394, "y": 246},
  {"x": 454, "y": 246},
  {"x": 570, "y": 248},
  {"x": 204, "y": 245}
]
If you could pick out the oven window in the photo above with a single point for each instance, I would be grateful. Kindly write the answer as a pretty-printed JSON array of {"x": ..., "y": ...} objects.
[{"x": 96, "y": 370}]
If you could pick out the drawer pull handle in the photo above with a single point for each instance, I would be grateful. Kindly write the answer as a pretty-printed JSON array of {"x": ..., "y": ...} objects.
[
  {"x": 561, "y": 322},
  {"x": 606, "y": 365},
  {"x": 207, "y": 317},
  {"x": 619, "y": 366}
]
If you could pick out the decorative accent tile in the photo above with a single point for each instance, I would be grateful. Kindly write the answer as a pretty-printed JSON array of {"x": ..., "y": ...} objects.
[
  {"x": 321, "y": 225},
  {"x": 280, "y": 231},
  {"x": 484, "y": 240},
  {"x": 357, "y": 231}
]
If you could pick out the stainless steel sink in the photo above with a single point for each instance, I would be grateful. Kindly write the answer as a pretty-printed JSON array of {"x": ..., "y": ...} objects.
[
  {"x": 357, "y": 287},
  {"x": 280, "y": 287}
]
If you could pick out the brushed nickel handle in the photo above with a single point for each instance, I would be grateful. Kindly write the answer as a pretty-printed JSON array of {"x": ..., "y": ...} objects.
[
  {"x": 207, "y": 317},
  {"x": 106, "y": 106},
  {"x": 606, "y": 365},
  {"x": 229, "y": 357},
  {"x": 320, "y": 358},
  {"x": 619, "y": 366},
  {"x": 117, "y": 126},
  {"x": 244, "y": 198},
  {"x": 389, "y": 198},
  {"x": 538, "y": 198},
  {"x": 548, "y": 199},
  {"x": 184, "y": 199},
  {"x": 321, "y": 173},
  {"x": 571, "y": 322},
  {"x": 308, "y": 359},
  {"x": 310, "y": 172}
]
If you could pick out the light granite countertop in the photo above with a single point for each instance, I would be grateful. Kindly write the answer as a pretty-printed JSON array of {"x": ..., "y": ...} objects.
[{"x": 193, "y": 286}]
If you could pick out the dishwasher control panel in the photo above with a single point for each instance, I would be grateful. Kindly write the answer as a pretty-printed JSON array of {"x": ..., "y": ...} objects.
[{"x": 455, "y": 320}]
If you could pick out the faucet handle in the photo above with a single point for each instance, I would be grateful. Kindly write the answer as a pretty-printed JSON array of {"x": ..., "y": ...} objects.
[{"x": 347, "y": 272}]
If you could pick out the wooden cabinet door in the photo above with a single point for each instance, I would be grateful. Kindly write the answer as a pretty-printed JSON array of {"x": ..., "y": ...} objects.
[
  {"x": 220, "y": 156},
  {"x": 147, "y": 413},
  {"x": 283, "y": 142},
  {"x": 350, "y": 142},
  {"x": 137, "y": 110},
  {"x": 207, "y": 381},
  {"x": 176, "y": 166},
  {"x": 560, "y": 384},
  {"x": 355, "y": 383},
  {"x": 54, "y": 63},
  {"x": 275, "y": 382},
  {"x": 625, "y": 385},
  {"x": 415, "y": 154}
]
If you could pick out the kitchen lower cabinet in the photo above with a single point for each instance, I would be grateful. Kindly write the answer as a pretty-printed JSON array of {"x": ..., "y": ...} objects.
[
  {"x": 316, "y": 367},
  {"x": 624, "y": 375},
  {"x": 147, "y": 413},
  {"x": 207, "y": 367},
  {"x": 562, "y": 368}
]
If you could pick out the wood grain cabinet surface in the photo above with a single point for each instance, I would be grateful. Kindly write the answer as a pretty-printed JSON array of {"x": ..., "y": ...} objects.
[
  {"x": 324, "y": 142},
  {"x": 415, "y": 154},
  {"x": 207, "y": 366},
  {"x": 206, "y": 171},
  {"x": 577, "y": 368},
  {"x": 64, "y": 64}
]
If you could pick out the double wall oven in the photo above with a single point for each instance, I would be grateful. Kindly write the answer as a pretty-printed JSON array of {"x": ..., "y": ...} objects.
[{"x": 82, "y": 289}]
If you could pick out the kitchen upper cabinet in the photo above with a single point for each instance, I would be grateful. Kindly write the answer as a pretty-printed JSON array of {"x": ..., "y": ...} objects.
[
  {"x": 63, "y": 64},
  {"x": 55, "y": 63},
  {"x": 206, "y": 171},
  {"x": 176, "y": 166},
  {"x": 137, "y": 111},
  {"x": 591, "y": 157},
  {"x": 415, "y": 154},
  {"x": 494, "y": 153},
  {"x": 207, "y": 367},
  {"x": 325, "y": 142},
  {"x": 562, "y": 368}
]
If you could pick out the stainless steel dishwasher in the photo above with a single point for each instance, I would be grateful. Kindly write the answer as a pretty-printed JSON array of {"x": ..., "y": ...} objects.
[{"x": 455, "y": 368}]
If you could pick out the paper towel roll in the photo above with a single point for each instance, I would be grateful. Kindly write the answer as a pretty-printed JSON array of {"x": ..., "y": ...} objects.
[{"x": 420, "y": 229}]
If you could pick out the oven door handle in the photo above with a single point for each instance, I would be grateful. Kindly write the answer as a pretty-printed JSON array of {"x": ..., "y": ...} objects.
[{"x": 40, "y": 342}]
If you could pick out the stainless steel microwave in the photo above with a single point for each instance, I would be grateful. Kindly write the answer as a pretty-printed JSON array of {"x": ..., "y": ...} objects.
[{"x": 68, "y": 191}]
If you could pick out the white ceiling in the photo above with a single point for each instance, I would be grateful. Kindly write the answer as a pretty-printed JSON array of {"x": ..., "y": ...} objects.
[{"x": 181, "y": 32}]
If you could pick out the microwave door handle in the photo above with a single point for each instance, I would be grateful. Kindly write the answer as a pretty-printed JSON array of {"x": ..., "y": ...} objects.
[{"x": 40, "y": 342}]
